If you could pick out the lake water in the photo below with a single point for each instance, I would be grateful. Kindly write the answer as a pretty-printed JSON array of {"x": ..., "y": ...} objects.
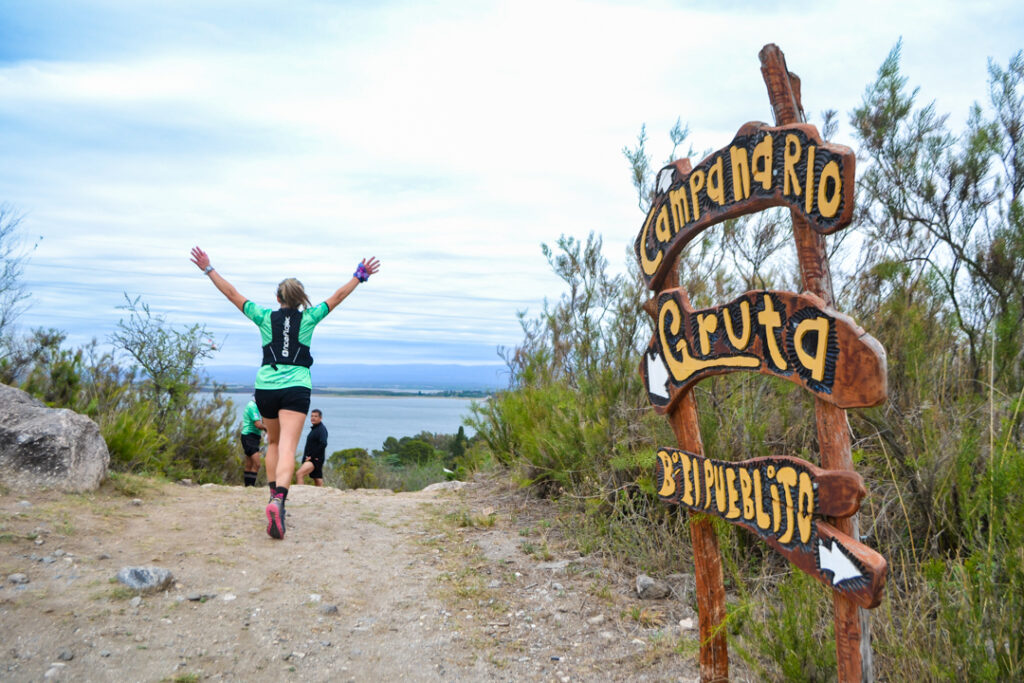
[{"x": 364, "y": 422}]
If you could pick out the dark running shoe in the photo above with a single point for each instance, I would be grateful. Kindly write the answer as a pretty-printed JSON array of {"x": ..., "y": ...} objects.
[{"x": 275, "y": 517}]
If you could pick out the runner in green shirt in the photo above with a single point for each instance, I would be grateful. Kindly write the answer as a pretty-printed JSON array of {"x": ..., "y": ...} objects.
[
  {"x": 283, "y": 382},
  {"x": 252, "y": 434}
]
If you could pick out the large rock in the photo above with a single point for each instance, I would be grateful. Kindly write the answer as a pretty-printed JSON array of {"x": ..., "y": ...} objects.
[{"x": 44, "y": 447}]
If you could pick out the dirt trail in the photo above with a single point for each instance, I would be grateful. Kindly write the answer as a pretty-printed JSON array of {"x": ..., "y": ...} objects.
[{"x": 367, "y": 585}]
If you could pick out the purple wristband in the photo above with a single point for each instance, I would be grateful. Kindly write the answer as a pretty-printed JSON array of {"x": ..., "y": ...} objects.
[{"x": 361, "y": 273}]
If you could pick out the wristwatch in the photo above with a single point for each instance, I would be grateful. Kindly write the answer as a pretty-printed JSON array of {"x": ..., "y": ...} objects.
[{"x": 207, "y": 269}]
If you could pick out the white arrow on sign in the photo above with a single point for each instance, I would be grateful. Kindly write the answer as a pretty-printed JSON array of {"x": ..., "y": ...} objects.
[
  {"x": 664, "y": 180},
  {"x": 835, "y": 560},
  {"x": 657, "y": 375}
]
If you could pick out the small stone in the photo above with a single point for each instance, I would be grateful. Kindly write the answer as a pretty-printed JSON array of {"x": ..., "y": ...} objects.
[
  {"x": 228, "y": 597},
  {"x": 651, "y": 589},
  {"x": 39, "y": 541},
  {"x": 325, "y": 643},
  {"x": 66, "y": 655},
  {"x": 596, "y": 620},
  {"x": 18, "y": 579},
  {"x": 194, "y": 597},
  {"x": 136, "y": 501},
  {"x": 607, "y": 635},
  {"x": 24, "y": 504},
  {"x": 686, "y": 624},
  {"x": 136, "y": 601},
  {"x": 494, "y": 584},
  {"x": 47, "y": 560},
  {"x": 557, "y": 587},
  {"x": 59, "y": 553},
  {"x": 104, "y": 653},
  {"x": 103, "y": 556},
  {"x": 314, "y": 597},
  {"x": 145, "y": 579},
  {"x": 327, "y": 609}
]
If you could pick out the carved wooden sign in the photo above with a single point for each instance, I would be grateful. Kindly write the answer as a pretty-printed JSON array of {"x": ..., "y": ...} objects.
[
  {"x": 780, "y": 499},
  {"x": 762, "y": 167},
  {"x": 793, "y": 336}
]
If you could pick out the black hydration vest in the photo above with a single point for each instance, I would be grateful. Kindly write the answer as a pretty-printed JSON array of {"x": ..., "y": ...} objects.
[{"x": 284, "y": 347}]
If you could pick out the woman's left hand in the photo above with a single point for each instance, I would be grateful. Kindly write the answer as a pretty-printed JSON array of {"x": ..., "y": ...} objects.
[{"x": 200, "y": 258}]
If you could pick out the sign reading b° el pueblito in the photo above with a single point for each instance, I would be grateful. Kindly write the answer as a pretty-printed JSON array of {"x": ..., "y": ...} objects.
[{"x": 782, "y": 499}]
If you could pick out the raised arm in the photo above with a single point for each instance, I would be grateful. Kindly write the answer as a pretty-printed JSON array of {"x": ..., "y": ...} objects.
[
  {"x": 366, "y": 268},
  {"x": 202, "y": 261}
]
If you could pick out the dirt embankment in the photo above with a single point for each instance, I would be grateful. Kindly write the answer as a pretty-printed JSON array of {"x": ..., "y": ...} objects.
[{"x": 367, "y": 585}]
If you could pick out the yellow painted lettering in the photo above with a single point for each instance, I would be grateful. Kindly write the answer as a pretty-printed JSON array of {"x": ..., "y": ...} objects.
[
  {"x": 809, "y": 182},
  {"x": 668, "y": 481},
  {"x": 709, "y": 482},
  {"x": 787, "y": 477},
  {"x": 740, "y": 173},
  {"x": 828, "y": 205},
  {"x": 680, "y": 207},
  {"x": 746, "y": 494},
  {"x": 647, "y": 264},
  {"x": 773, "y": 489},
  {"x": 816, "y": 362},
  {"x": 790, "y": 155},
  {"x": 696, "y": 185},
  {"x": 804, "y": 506},
  {"x": 770, "y": 319},
  {"x": 763, "y": 521},
  {"x": 681, "y": 365},
  {"x": 706, "y": 326},
  {"x": 721, "y": 496},
  {"x": 716, "y": 184},
  {"x": 662, "y": 226},
  {"x": 687, "y": 464},
  {"x": 731, "y": 511},
  {"x": 738, "y": 341},
  {"x": 762, "y": 162}
]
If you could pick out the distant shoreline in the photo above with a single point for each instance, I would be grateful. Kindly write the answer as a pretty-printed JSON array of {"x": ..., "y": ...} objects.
[{"x": 371, "y": 393}]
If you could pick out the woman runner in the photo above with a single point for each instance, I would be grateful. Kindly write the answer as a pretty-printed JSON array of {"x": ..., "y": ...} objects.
[{"x": 283, "y": 382}]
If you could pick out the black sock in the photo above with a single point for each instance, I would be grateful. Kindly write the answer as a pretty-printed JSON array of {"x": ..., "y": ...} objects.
[
  {"x": 282, "y": 491},
  {"x": 273, "y": 487},
  {"x": 250, "y": 478}
]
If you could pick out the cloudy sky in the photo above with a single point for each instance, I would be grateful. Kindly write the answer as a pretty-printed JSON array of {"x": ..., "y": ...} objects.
[{"x": 448, "y": 138}]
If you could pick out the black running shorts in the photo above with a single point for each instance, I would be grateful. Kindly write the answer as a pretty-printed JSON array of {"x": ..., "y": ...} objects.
[
  {"x": 251, "y": 444},
  {"x": 318, "y": 467},
  {"x": 270, "y": 401}
]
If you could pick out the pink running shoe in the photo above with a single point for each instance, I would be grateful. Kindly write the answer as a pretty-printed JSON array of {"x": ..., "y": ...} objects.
[{"x": 275, "y": 517}]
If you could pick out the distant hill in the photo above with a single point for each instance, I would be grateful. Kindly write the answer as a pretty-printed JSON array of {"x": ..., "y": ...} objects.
[{"x": 451, "y": 377}]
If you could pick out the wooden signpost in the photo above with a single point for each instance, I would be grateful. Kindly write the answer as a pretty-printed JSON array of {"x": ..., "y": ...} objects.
[{"x": 806, "y": 512}]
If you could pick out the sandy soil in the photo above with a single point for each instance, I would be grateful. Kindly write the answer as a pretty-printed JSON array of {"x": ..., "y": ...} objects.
[{"x": 367, "y": 585}]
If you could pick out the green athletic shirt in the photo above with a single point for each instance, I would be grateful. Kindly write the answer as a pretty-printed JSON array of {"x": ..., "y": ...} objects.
[
  {"x": 250, "y": 418},
  {"x": 286, "y": 375}
]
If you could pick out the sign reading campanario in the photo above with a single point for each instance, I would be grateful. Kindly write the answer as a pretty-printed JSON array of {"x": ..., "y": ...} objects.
[{"x": 762, "y": 167}]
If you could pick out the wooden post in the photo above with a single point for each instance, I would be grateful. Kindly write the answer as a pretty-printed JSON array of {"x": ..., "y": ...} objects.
[
  {"x": 853, "y": 643},
  {"x": 707, "y": 557}
]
